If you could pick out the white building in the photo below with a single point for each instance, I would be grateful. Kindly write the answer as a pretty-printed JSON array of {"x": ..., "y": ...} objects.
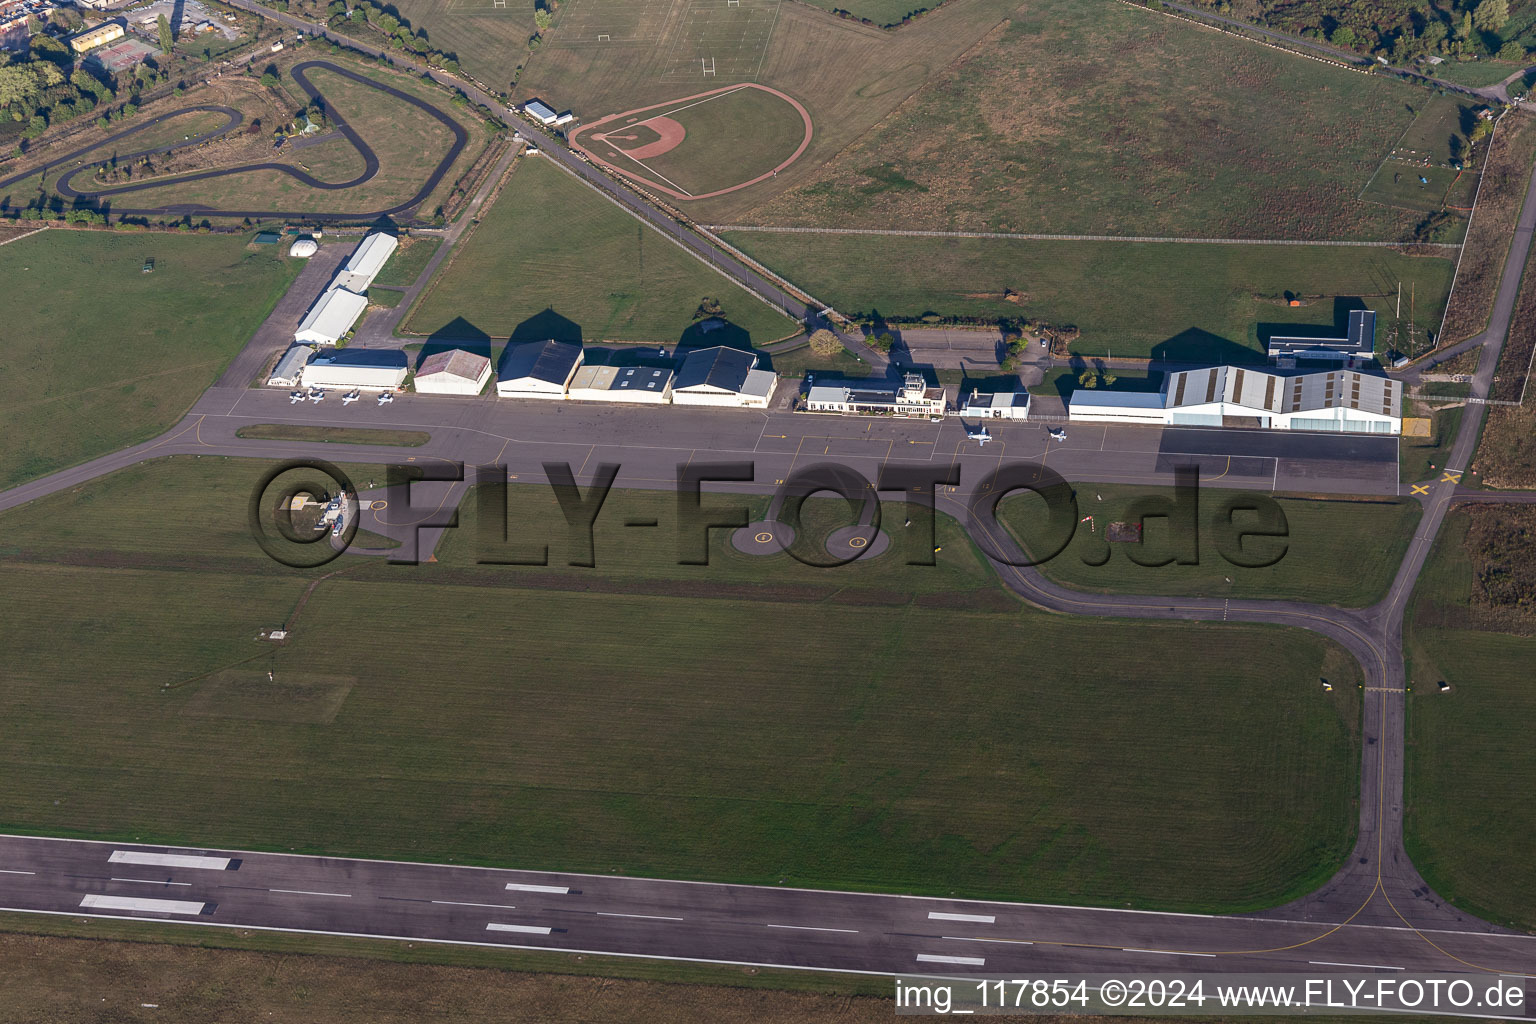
[
  {"x": 910, "y": 397},
  {"x": 304, "y": 248},
  {"x": 356, "y": 370},
  {"x": 723, "y": 376},
  {"x": 365, "y": 263},
  {"x": 999, "y": 405},
  {"x": 622, "y": 384},
  {"x": 539, "y": 369},
  {"x": 1340, "y": 401},
  {"x": 331, "y": 318},
  {"x": 1356, "y": 347},
  {"x": 454, "y": 372},
  {"x": 290, "y": 367},
  {"x": 540, "y": 111}
]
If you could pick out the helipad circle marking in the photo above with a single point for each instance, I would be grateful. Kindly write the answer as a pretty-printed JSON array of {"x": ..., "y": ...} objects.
[
  {"x": 764, "y": 537},
  {"x": 857, "y": 542},
  {"x": 378, "y": 505}
]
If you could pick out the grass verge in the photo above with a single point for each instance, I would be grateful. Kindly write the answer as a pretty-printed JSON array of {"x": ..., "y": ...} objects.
[{"x": 334, "y": 435}]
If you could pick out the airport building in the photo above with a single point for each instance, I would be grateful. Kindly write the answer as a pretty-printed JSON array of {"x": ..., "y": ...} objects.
[
  {"x": 1000, "y": 405},
  {"x": 290, "y": 368},
  {"x": 455, "y": 372},
  {"x": 1338, "y": 401},
  {"x": 909, "y": 397},
  {"x": 723, "y": 376},
  {"x": 643, "y": 384},
  {"x": 356, "y": 370},
  {"x": 539, "y": 369},
  {"x": 1357, "y": 346},
  {"x": 540, "y": 111},
  {"x": 357, "y": 274},
  {"x": 329, "y": 320}
]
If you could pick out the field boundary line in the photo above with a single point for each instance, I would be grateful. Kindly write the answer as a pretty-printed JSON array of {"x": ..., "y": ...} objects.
[
  {"x": 1066, "y": 238},
  {"x": 1193, "y": 17},
  {"x": 28, "y": 234},
  {"x": 1472, "y": 216}
]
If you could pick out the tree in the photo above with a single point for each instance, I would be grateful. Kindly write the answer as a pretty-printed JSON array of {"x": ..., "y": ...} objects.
[
  {"x": 1109, "y": 380},
  {"x": 269, "y": 80},
  {"x": 1342, "y": 36},
  {"x": 826, "y": 344},
  {"x": 388, "y": 23},
  {"x": 542, "y": 18},
  {"x": 1490, "y": 15},
  {"x": 1512, "y": 52},
  {"x": 17, "y": 85},
  {"x": 1088, "y": 379},
  {"x": 166, "y": 38}
]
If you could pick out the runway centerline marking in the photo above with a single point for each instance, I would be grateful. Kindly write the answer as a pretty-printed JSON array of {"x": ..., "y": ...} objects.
[
  {"x": 812, "y": 928},
  {"x": 642, "y": 917},
  {"x": 1162, "y": 952},
  {"x": 307, "y": 892},
  {"x": 149, "y": 881},
  {"x": 4, "y": 871},
  {"x": 977, "y": 938},
  {"x": 1335, "y": 963},
  {"x": 492, "y": 906}
]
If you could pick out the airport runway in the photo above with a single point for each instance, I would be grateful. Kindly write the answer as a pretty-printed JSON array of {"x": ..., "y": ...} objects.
[{"x": 780, "y": 927}]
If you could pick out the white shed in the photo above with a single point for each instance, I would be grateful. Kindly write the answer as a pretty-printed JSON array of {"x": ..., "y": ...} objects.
[
  {"x": 644, "y": 384},
  {"x": 357, "y": 274},
  {"x": 723, "y": 376},
  {"x": 331, "y": 318},
  {"x": 304, "y": 248},
  {"x": 290, "y": 367},
  {"x": 454, "y": 372}
]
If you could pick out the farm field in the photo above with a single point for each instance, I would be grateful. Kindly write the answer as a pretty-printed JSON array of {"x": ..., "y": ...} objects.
[
  {"x": 1080, "y": 103},
  {"x": 86, "y": 377},
  {"x": 1179, "y": 300},
  {"x": 1468, "y": 759},
  {"x": 551, "y": 255},
  {"x": 1336, "y": 552},
  {"x": 619, "y": 745}
]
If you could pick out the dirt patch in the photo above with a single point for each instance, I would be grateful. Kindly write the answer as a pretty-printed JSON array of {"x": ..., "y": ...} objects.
[
  {"x": 668, "y": 136},
  {"x": 299, "y": 698},
  {"x": 1499, "y": 541}
]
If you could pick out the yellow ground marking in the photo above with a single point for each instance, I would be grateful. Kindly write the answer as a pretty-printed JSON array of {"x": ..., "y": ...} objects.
[
  {"x": 1421, "y": 488},
  {"x": 1451, "y": 476}
]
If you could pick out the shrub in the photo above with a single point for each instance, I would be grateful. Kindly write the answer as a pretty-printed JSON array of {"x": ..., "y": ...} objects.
[{"x": 826, "y": 344}]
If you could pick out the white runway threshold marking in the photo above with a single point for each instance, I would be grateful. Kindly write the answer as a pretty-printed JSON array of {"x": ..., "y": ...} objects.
[
  {"x": 935, "y": 915},
  {"x": 521, "y": 929},
  {"x": 964, "y": 961},
  {"x": 152, "y": 906},
  {"x": 557, "y": 890},
  {"x": 170, "y": 860}
]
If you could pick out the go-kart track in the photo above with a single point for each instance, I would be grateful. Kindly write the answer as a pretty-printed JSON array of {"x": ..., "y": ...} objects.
[{"x": 64, "y": 186}]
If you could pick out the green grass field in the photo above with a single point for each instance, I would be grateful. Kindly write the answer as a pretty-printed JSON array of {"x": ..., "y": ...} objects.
[
  {"x": 335, "y": 435},
  {"x": 1429, "y": 148},
  {"x": 1336, "y": 552},
  {"x": 550, "y": 242},
  {"x": 408, "y": 261},
  {"x": 1423, "y": 458},
  {"x": 1183, "y": 301},
  {"x": 1469, "y": 760},
  {"x": 1070, "y": 119},
  {"x": 119, "y": 355},
  {"x": 753, "y": 720}
]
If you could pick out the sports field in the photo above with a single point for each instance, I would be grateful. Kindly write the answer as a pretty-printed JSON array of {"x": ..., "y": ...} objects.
[
  {"x": 552, "y": 249},
  {"x": 1469, "y": 760},
  {"x": 100, "y": 355},
  {"x": 1335, "y": 552},
  {"x": 750, "y": 720},
  {"x": 1180, "y": 300},
  {"x": 679, "y": 148}
]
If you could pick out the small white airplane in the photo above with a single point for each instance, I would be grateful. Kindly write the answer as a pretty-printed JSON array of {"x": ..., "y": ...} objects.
[
  {"x": 1058, "y": 434},
  {"x": 317, "y": 396},
  {"x": 385, "y": 397},
  {"x": 295, "y": 397},
  {"x": 981, "y": 437},
  {"x": 349, "y": 399}
]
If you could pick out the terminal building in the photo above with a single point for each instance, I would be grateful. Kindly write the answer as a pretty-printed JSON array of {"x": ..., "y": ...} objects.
[
  {"x": 909, "y": 397},
  {"x": 643, "y": 384},
  {"x": 1338, "y": 401},
  {"x": 538, "y": 369},
  {"x": 997, "y": 405},
  {"x": 356, "y": 370},
  {"x": 1357, "y": 346},
  {"x": 723, "y": 376}
]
